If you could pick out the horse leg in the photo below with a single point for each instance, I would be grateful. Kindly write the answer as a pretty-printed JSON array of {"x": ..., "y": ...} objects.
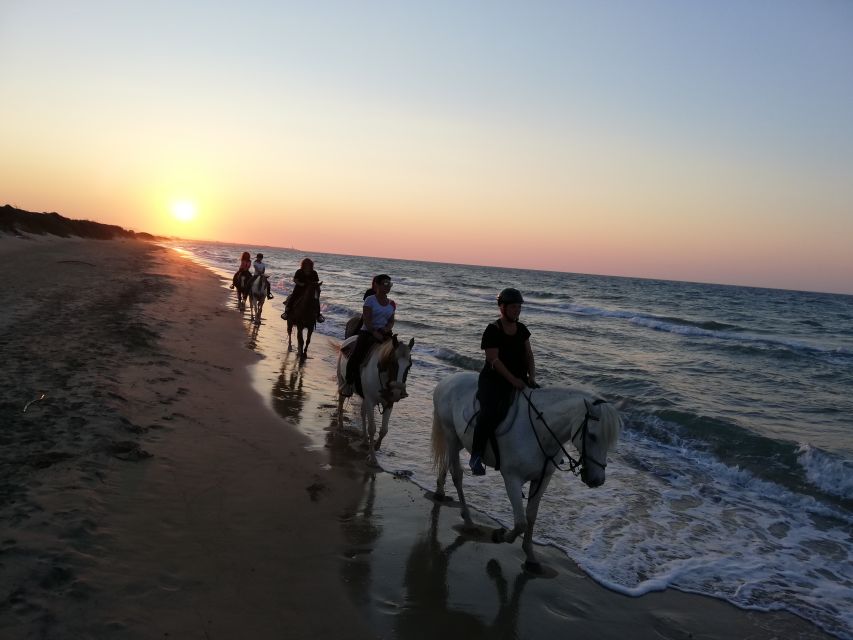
[
  {"x": 300, "y": 349},
  {"x": 369, "y": 420},
  {"x": 310, "y": 330},
  {"x": 536, "y": 492},
  {"x": 340, "y": 411},
  {"x": 386, "y": 416},
  {"x": 457, "y": 475},
  {"x": 513, "y": 486}
]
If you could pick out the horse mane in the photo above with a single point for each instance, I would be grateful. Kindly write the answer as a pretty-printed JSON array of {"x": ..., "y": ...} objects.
[
  {"x": 608, "y": 417},
  {"x": 611, "y": 423},
  {"x": 385, "y": 352}
]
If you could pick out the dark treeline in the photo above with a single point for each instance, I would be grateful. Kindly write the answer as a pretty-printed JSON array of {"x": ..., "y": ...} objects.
[{"x": 18, "y": 221}]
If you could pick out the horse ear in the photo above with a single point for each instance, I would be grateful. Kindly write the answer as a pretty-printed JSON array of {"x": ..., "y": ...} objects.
[{"x": 411, "y": 343}]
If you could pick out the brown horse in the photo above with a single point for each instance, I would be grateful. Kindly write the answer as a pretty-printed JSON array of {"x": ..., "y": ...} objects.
[
  {"x": 243, "y": 284},
  {"x": 303, "y": 315}
]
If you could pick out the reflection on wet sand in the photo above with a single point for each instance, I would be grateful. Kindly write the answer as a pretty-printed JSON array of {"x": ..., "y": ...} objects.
[
  {"x": 361, "y": 533},
  {"x": 288, "y": 395},
  {"x": 252, "y": 342},
  {"x": 427, "y": 610}
]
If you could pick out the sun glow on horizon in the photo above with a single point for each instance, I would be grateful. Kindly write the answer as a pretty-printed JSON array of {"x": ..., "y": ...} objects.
[{"x": 184, "y": 210}]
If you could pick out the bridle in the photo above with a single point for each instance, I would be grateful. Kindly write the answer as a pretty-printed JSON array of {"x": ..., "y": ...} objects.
[
  {"x": 576, "y": 465},
  {"x": 393, "y": 369}
]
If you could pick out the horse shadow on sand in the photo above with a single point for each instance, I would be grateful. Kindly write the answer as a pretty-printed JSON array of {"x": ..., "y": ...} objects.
[
  {"x": 429, "y": 611},
  {"x": 425, "y": 608}
]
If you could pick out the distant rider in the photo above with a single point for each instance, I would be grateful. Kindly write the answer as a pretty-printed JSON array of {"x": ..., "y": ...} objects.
[
  {"x": 304, "y": 276},
  {"x": 509, "y": 366},
  {"x": 378, "y": 318},
  {"x": 260, "y": 272},
  {"x": 245, "y": 265}
]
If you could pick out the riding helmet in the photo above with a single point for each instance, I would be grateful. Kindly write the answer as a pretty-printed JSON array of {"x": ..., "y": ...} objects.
[{"x": 510, "y": 296}]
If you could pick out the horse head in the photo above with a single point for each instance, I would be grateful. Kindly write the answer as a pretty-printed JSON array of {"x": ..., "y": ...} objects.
[
  {"x": 598, "y": 431},
  {"x": 398, "y": 361}
]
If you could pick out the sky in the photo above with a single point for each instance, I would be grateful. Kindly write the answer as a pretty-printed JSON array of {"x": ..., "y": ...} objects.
[{"x": 697, "y": 141}]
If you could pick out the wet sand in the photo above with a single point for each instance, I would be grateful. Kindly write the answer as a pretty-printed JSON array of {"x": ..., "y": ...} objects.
[{"x": 183, "y": 477}]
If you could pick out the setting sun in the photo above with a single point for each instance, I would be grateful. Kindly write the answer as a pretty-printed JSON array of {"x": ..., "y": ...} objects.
[{"x": 184, "y": 210}]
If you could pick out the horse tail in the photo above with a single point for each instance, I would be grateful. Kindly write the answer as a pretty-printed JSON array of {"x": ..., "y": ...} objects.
[
  {"x": 439, "y": 445},
  {"x": 611, "y": 423}
]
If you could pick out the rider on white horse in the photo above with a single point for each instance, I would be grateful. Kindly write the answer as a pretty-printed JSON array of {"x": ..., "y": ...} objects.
[
  {"x": 509, "y": 366},
  {"x": 378, "y": 321},
  {"x": 260, "y": 272}
]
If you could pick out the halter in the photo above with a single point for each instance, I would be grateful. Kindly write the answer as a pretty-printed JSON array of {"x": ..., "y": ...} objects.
[
  {"x": 392, "y": 376},
  {"x": 575, "y": 465}
]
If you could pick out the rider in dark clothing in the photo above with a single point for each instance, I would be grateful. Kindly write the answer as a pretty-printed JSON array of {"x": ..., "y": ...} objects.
[
  {"x": 245, "y": 265},
  {"x": 509, "y": 366},
  {"x": 304, "y": 276}
]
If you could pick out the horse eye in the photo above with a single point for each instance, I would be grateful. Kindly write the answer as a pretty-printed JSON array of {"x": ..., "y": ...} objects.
[{"x": 593, "y": 438}]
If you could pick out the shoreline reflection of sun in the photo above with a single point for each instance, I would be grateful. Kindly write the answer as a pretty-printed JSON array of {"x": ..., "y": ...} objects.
[{"x": 183, "y": 210}]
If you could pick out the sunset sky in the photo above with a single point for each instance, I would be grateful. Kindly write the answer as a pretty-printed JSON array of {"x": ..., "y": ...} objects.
[{"x": 702, "y": 141}]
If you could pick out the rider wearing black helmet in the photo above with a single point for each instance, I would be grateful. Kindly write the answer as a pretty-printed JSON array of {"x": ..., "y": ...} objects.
[{"x": 509, "y": 366}]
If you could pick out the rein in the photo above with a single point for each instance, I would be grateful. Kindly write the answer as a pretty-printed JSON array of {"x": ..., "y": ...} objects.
[{"x": 575, "y": 465}]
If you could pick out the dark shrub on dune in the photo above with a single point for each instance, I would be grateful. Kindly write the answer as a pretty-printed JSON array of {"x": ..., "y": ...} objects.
[{"x": 18, "y": 221}]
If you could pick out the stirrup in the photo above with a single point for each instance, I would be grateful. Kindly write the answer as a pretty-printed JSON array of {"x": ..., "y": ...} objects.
[{"x": 476, "y": 464}]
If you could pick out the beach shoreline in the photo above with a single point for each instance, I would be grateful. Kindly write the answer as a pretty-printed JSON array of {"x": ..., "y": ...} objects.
[{"x": 183, "y": 477}]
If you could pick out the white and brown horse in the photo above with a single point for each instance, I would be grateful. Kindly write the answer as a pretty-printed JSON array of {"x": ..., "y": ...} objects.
[{"x": 383, "y": 383}]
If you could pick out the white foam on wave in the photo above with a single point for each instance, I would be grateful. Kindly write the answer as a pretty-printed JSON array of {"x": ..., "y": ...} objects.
[
  {"x": 828, "y": 473},
  {"x": 683, "y": 520}
]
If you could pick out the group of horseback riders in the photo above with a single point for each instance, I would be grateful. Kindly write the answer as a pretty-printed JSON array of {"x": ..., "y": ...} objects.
[
  {"x": 509, "y": 363},
  {"x": 260, "y": 272},
  {"x": 303, "y": 277}
]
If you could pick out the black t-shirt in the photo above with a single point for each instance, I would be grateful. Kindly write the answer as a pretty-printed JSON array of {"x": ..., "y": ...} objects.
[
  {"x": 511, "y": 350},
  {"x": 300, "y": 276}
]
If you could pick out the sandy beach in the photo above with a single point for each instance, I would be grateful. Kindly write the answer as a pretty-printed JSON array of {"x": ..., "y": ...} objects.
[{"x": 169, "y": 470}]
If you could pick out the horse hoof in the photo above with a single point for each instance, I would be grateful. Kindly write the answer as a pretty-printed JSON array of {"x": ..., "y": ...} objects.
[
  {"x": 532, "y": 566},
  {"x": 499, "y": 535}
]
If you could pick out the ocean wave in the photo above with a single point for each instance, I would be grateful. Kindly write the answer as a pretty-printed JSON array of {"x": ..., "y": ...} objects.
[
  {"x": 411, "y": 324},
  {"x": 707, "y": 329},
  {"x": 452, "y": 357},
  {"x": 799, "y": 468},
  {"x": 829, "y": 473}
]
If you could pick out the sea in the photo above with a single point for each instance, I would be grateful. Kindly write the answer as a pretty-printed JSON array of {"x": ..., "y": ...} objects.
[{"x": 733, "y": 477}]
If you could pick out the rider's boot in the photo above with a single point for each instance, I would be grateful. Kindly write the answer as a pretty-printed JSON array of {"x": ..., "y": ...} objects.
[{"x": 476, "y": 464}]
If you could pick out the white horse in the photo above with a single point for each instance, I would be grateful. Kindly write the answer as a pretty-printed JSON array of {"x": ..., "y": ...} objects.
[
  {"x": 530, "y": 440},
  {"x": 257, "y": 297},
  {"x": 383, "y": 382}
]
